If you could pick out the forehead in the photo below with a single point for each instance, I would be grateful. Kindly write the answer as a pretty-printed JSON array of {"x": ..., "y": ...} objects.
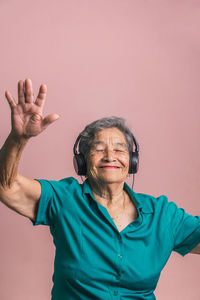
[{"x": 113, "y": 135}]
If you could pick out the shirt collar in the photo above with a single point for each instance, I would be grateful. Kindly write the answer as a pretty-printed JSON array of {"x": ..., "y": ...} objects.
[{"x": 139, "y": 200}]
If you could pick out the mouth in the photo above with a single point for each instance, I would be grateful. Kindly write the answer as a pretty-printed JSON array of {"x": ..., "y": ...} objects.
[{"x": 109, "y": 167}]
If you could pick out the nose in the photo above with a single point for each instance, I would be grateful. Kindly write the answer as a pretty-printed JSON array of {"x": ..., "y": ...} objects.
[{"x": 109, "y": 155}]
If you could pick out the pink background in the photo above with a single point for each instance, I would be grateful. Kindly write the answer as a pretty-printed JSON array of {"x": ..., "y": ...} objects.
[{"x": 134, "y": 59}]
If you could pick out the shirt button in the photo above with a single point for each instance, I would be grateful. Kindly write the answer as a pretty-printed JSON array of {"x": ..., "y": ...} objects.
[
  {"x": 119, "y": 237},
  {"x": 115, "y": 293},
  {"x": 118, "y": 276},
  {"x": 120, "y": 256}
]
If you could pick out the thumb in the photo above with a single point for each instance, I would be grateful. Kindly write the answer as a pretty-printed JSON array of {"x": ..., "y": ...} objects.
[{"x": 50, "y": 119}]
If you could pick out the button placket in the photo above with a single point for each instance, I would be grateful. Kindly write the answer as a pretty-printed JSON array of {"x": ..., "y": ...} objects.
[{"x": 119, "y": 257}]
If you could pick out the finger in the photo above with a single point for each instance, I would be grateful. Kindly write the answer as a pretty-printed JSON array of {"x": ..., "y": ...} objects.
[
  {"x": 10, "y": 99},
  {"x": 28, "y": 91},
  {"x": 21, "y": 98},
  {"x": 49, "y": 120},
  {"x": 41, "y": 95}
]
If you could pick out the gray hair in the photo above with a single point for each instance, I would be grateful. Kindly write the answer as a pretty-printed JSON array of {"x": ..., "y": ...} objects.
[{"x": 88, "y": 134}]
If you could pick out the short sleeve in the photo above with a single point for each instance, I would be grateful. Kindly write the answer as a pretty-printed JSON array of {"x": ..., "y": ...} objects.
[
  {"x": 185, "y": 229},
  {"x": 47, "y": 207}
]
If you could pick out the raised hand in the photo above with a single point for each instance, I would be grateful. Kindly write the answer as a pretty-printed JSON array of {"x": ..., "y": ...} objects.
[{"x": 26, "y": 115}]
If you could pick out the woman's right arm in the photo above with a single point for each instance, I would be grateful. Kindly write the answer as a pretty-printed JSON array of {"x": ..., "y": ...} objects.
[{"x": 18, "y": 192}]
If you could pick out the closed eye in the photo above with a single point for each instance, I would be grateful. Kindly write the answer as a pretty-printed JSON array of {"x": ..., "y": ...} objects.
[{"x": 117, "y": 150}]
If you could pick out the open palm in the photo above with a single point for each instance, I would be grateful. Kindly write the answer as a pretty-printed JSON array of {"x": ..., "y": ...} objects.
[{"x": 26, "y": 115}]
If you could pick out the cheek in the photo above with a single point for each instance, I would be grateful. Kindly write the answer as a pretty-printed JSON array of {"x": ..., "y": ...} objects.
[
  {"x": 125, "y": 160},
  {"x": 92, "y": 161}
]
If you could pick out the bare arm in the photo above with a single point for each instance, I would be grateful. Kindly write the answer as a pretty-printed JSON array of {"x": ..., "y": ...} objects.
[
  {"x": 18, "y": 192},
  {"x": 196, "y": 250}
]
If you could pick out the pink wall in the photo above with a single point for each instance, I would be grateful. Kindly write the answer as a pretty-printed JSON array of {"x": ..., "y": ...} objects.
[{"x": 135, "y": 59}]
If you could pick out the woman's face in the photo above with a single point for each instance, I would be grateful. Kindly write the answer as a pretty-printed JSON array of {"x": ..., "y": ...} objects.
[{"x": 108, "y": 150}]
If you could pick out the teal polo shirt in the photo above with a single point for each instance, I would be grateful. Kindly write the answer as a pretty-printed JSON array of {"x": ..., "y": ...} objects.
[{"x": 93, "y": 260}]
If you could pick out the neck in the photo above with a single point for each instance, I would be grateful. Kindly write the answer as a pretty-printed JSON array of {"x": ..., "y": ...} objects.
[{"x": 107, "y": 194}]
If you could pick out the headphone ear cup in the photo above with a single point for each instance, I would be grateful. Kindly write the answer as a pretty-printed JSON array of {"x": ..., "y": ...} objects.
[
  {"x": 79, "y": 164},
  {"x": 134, "y": 163}
]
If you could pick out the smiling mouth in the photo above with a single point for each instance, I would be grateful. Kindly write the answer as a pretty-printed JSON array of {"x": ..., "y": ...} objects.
[{"x": 110, "y": 167}]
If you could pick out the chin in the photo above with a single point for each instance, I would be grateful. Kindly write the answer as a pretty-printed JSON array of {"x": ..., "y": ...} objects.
[{"x": 111, "y": 179}]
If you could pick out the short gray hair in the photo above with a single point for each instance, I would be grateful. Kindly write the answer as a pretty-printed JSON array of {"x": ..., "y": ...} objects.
[{"x": 88, "y": 134}]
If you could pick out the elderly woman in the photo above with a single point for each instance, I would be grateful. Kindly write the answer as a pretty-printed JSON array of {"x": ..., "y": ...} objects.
[{"x": 111, "y": 242}]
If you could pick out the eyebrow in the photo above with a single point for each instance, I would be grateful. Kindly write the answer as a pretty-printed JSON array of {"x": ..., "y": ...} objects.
[{"x": 102, "y": 142}]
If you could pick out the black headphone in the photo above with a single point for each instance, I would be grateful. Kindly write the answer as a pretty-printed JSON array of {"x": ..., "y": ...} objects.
[{"x": 80, "y": 163}]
